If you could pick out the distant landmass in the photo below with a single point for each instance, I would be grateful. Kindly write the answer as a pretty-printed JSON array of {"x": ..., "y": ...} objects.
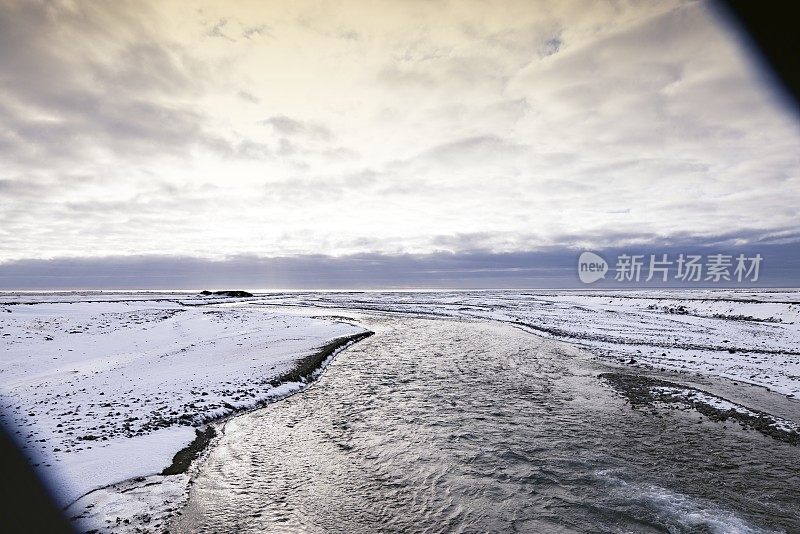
[{"x": 227, "y": 293}]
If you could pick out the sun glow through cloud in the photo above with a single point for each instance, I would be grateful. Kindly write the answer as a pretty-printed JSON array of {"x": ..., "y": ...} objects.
[{"x": 286, "y": 128}]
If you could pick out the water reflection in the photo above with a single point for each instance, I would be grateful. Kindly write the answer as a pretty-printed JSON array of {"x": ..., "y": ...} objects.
[{"x": 435, "y": 425}]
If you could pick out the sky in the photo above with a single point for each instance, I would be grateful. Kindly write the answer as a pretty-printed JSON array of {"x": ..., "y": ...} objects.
[{"x": 164, "y": 134}]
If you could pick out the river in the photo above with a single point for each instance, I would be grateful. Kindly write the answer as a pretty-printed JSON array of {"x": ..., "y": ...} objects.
[{"x": 460, "y": 426}]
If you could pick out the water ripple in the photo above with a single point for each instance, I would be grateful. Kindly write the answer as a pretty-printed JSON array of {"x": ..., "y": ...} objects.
[{"x": 433, "y": 426}]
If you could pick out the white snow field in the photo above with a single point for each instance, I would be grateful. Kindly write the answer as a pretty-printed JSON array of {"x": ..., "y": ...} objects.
[
  {"x": 103, "y": 387},
  {"x": 100, "y": 390},
  {"x": 748, "y": 335}
]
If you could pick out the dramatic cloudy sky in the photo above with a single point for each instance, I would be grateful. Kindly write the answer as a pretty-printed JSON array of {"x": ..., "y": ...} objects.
[{"x": 272, "y": 129}]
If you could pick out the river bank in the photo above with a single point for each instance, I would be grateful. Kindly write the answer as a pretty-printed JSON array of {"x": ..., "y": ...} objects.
[
  {"x": 748, "y": 335},
  {"x": 736, "y": 391},
  {"x": 146, "y": 503},
  {"x": 105, "y": 388},
  {"x": 436, "y": 424}
]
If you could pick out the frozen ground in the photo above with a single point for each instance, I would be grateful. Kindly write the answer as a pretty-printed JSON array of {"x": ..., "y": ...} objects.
[
  {"x": 101, "y": 389},
  {"x": 747, "y": 335},
  {"x": 104, "y": 387}
]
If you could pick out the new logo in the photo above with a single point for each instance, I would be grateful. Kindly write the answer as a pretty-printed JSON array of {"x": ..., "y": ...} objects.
[{"x": 591, "y": 267}]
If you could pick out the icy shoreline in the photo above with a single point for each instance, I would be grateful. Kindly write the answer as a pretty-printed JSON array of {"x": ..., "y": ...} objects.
[
  {"x": 142, "y": 503},
  {"x": 100, "y": 392},
  {"x": 750, "y": 336},
  {"x": 644, "y": 391},
  {"x": 105, "y": 388}
]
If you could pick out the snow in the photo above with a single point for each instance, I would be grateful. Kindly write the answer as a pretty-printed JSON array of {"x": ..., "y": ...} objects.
[
  {"x": 140, "y": 505},
  {"x": 118, "y": 459},
  {"x": 692, "y": 394},
  {"x": 101, "y": 390},
  {"x": 749, "y": 335},
  {"x": 106, "y": 386}
]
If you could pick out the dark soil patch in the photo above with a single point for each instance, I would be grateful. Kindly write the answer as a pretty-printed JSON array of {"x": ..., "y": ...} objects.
[
  {"x": 184, "y": 457},
  {"x": 303, "y": 372},
  {"x": 640, "y": 392},
  {"x": 306, "y": 367},
  {"x": 236, "y": 293}
]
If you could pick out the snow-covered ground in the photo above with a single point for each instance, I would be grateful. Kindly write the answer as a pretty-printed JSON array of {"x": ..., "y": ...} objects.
[
  {"x": 100, "y": 390},
  {"x": 747, "y": 335},
  {"x": 106, "y": 386}
]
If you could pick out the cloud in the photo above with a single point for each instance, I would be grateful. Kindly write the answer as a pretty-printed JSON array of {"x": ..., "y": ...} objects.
[
  {"x": 248, "y": 97},
  {"x": 471, "y": 152},
  {"x": 114, "y": 97},
  {"x": 383, "y": 128},
  {"x": 284, "y": 125},
  {"x": 217, "y": 30},
  {"x": 550, "y": 46},
  {"x": 251, "y": 32},
  {"x": 548, "y": 268}
]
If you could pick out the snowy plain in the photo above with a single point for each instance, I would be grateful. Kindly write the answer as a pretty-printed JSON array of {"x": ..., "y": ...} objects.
[
  {"x": 103, "y": 387},
  {"x": 100, "y": 390},
  {"x": 752, "y": 336}
]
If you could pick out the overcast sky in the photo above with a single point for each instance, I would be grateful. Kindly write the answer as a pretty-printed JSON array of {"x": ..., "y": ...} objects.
[{"x": 266, "y": 129}]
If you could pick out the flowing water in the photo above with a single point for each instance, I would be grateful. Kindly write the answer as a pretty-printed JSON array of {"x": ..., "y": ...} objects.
[{"x": 436, "y": 425}]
